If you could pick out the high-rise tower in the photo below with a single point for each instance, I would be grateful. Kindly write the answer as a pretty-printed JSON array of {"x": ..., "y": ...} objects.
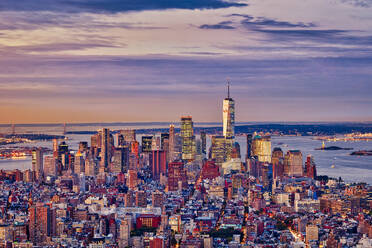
[
  {"x": 188, "y": 138},
  {"x": 228, "y": 115}
]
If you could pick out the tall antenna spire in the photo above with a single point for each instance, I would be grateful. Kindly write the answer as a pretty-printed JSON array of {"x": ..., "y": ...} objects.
[{"x": 228, "y": 88}]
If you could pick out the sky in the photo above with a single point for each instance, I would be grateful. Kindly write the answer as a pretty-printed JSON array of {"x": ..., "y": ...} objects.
[{"x": 155, "y": 60}]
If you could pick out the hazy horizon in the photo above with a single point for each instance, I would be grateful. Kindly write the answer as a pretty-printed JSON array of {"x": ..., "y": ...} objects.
[{"x": 109, "y": 61}]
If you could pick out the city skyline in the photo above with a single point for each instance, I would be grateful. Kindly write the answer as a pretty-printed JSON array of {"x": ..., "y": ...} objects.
[{"x": 113, "y": 61}]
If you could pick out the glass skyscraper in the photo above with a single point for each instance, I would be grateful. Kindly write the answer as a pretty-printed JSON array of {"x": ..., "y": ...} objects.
[
  {"x": 188, "y": 138},
  {"x": 228, "y": 115}
]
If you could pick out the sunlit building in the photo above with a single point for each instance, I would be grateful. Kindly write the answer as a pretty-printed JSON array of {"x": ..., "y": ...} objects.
[
  {"x": 293, "y": 163},
  {"x": 188, "y": 138},
  {"x": 37, "y": 164},
  {"x": 147, "y": 143},
  {"x": 261, "y": 148},
  {"x": 277, "y": 160},
  {"x": 218, "y": 149},
  {"x": 228, "y": 115}
]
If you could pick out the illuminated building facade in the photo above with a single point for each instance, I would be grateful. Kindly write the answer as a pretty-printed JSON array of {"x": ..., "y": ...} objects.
[
  {"x": 172, "y": 144},
  {"x": 159, "y": 163},
  {"x": 188, "y": 138},
  {"x": 261, "y": 148},
  {"x": 293, "y": 163},
  {"x": 249, "y": 145},
  {"x": 218, "y": 149},
  {"x": 277, "y": 160},
  {"x": 105, "y": 148},
  {"x": 176, "y": 176},
  {"x": 147, "y": 143},
  {"x": 310, "y": 167},
  {"x": 37, "y": 164},
  {"x": 228, "y": 115}
]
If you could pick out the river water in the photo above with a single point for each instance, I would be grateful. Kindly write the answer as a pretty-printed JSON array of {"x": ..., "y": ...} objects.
[{"x": 350, "y": 168}]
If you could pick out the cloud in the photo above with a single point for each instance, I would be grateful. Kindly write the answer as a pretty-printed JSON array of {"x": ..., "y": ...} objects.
[
  {"x": 329, "y": 36},
  {"x": 261, "y": 21},
  {"x": 112, "y": 6},
  {"x": 221, "y": 25},
  {"x": 359, "y": 3},
  {"x": 57, "y": 47}
]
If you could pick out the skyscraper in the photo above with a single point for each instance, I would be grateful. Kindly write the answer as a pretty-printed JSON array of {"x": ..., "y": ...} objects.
[
  {"x": 147, "y": 143},
  {"x": 261, "y": 147},
  {"x": 159, "y": 163},
  {"x": 277, "y": 161},
  {"x": 129, "y": 135},
  {"x": 172, "y": 144},
  {"x": 293, "y": 163},
  {"x": 218, "y": 149},
  {"x": 176, "y": 176},
  {"x": 203, "y": 137},
  {"x": 310, "y": 167},
  {"x": 188, "y": 138},
  {"x": 228, "y": 115},
  {"x": 249, "y": 145},
  {"x": 105, "y": 149},
  {"x": 37, "y": 164},
  {"x": 42, "y": 223}
]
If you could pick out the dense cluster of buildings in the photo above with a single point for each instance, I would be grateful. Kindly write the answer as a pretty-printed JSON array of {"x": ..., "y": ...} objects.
[{"x": 124, "y": 189}]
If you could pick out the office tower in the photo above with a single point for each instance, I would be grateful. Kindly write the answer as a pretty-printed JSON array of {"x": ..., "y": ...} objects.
[
  {"x": 50, "y": 166},
  {"x": 236, "y": 151},
  {"x": 42, "y": 223},
  {"x": 95, "y": 140},
  {"x": 105, "y": 148},
  {"x": 147, "y": 143},
  {"x": 82, "y": 182},
  {"x": 129, "y": 200},
  {"x": 129, "y": 135},
  {"x": 210, "y": 170},
  {"x": 157, "y": 199},
  {"x": 158, "y": 163},
  {"x": 55, "y": 148},
  {"x": 228, "y": 115},
  {"x": 141, "y": 199},
  {"x": 155, "y": 145},
  {"x": 249, "y": 145},
  {"x": 124, "y": 233},
  {"x": 83, "y": 146},
  {"x": 119, "y": 140},
  {"x": 79, "y": 163},
  {"x": 293, "y": 163},
  {"x": 312, "y": 233},
  {"x": 172, "y": 144},
  {"x": 132, "y": 179},
  {"x": 134, "y": 147},
  {"x": 277, "y": 161},
  {"x": 310, "y": 167},
  {"x": 163, "y": 137},
  {"x": 133, "y": 163},
  {"x": 261, "y": 147},
  {"x": 63, "y": 154},
  {"x": 218, "y": 149},
  {"x": 166, "y": 148},
  {"x": 120, "y": 160},
  {"x": 198, "y": 147},
  {"x": 203, "y": 138},
  {"x": 37, "y": 164},
  {"x": 188, "y": 138},
  {"x": 91, "y": 167},
  {"x": 95, "y": 144},
  {"x": 176, "y": 176}
]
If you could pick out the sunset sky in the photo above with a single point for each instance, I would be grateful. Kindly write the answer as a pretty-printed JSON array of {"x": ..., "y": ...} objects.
[{"x": 155, "y": 60}]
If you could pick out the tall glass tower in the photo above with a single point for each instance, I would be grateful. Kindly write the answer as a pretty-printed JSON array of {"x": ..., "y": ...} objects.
[
  {"x": 188, "y": 138},
  {"x": 228, "y": 115}
]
